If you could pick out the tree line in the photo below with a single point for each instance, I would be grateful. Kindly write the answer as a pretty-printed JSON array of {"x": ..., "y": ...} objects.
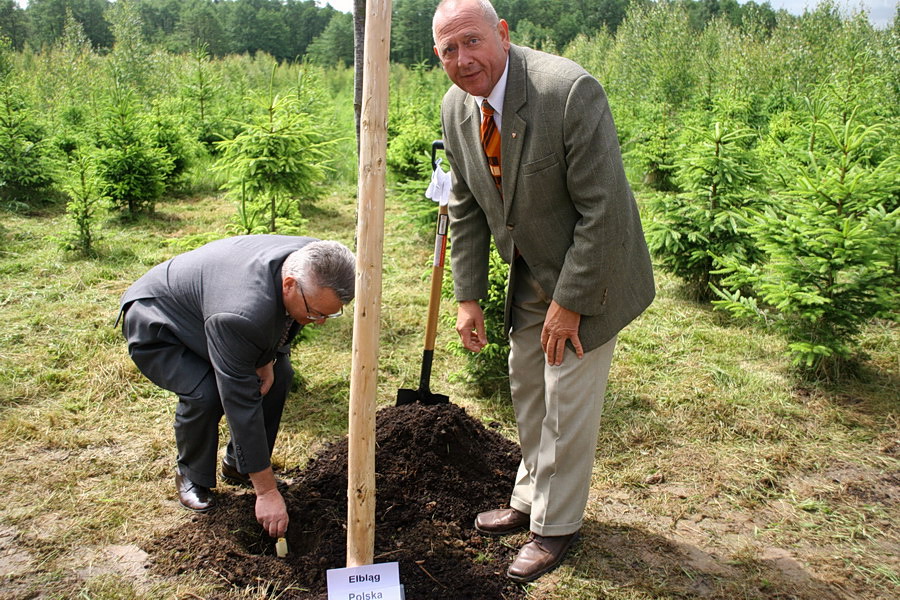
[
  {"x": 295, "y": 29},
  {"x": 282, "y": 28}
]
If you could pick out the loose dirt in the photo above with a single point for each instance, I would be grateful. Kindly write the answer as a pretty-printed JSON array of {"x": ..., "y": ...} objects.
[{"x": 436, "y": 469}]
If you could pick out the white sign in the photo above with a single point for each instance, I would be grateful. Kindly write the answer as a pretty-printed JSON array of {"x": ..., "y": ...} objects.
[{"x": 369, "y": 582}]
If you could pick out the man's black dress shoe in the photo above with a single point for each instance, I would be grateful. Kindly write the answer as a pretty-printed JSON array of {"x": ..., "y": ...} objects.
[
  {"x": 231, "y": 475},
  {"x": 193, "y": 496}
]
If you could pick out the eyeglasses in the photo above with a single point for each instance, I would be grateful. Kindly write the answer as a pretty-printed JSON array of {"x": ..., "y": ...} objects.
[{"x": 315, "y": 315}]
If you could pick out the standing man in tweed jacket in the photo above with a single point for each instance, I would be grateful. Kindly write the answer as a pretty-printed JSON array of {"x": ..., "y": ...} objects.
[{"x": 561, "y": 212}]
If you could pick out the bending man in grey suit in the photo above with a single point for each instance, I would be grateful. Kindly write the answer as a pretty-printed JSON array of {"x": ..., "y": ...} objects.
[
  {"x": 560, "y": 210},
  {"x": 214, "y": 325}
]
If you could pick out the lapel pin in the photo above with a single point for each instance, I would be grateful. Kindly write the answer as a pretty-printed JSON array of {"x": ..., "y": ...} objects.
[{"x": 514, "y": 134}]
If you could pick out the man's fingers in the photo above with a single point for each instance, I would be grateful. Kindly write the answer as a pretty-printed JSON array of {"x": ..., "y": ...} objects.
[
  {"x": 481, "y": 333},
  {"x": 558, "y": 348},
  {"x": 271, "y": 511},
  {"x": 560, "y": 325},
  {"x": 554, "y": 348},
  {"x": 479, "y": 338},
  {"x": 472, "y": 343},
  {"x": 275, "y": 527},
  {"x": 468, "y": 339},
  {"x": 470, "y": 326},
  {"x": 278, "y": 528},
  {"x": 266, "y": 375},
  {"x": 579, "y": 351}
]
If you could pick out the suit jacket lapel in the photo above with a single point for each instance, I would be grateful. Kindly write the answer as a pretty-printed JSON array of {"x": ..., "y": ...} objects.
[{"x": 514, "y": 126}]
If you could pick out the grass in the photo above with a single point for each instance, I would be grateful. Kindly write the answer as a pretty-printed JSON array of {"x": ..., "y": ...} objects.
[{"x": 718, "y": 473}]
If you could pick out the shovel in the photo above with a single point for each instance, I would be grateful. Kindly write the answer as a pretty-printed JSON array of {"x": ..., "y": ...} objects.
[{"x": 438, "y": 183}]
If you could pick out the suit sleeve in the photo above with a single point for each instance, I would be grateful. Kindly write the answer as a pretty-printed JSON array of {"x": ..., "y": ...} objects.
[
  {"x": 599, "y": 191},
  {"x": 234, "y": 349},
  {"x": 470, "y": 236}
]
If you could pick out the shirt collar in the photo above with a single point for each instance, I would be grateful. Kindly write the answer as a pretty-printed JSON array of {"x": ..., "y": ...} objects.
[{"x": 497, "y": 95}]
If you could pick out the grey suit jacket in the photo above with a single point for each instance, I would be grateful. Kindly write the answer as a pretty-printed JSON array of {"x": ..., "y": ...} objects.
[
  {"x": 566, "y": 204},
  {"x": 217, "y": 308}
]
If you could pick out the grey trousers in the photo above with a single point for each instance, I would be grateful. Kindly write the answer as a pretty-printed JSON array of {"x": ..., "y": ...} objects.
[
  {"x": 558, "y": 412},
  {"x": 197, "y": 419}
]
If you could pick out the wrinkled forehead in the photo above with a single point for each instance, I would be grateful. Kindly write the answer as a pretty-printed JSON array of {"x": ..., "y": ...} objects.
[{"x": 454, "y": 24}]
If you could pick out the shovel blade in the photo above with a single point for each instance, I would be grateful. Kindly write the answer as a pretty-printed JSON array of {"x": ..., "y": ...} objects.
[
  {"x": 431, "y": 398},
  {"x": 407, "y": 396}
]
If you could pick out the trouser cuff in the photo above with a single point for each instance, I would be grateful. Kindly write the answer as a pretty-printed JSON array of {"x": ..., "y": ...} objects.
[
  {"x": 199, "y": 478},
  {"x": 555, "y": 530},
  {"x": 520, "y": 506}
]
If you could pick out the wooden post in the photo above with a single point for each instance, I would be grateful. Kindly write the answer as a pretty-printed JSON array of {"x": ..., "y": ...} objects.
[{"x": 367, "y": 311}]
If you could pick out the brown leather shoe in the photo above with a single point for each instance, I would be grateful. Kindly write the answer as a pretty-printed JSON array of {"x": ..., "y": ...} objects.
[
  {"x": 193, "y": 496},
  {"x": 540, "y": 555},
  {"x": 501, "y": 521},
  {"x": 231, "y": 475}
]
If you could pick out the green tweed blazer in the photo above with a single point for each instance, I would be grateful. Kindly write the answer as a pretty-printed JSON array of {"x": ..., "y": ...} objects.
[{"x": 566, "y": 203}]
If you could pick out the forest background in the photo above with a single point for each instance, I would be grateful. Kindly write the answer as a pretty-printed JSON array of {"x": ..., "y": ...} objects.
[{"x": 762, "y": 146}]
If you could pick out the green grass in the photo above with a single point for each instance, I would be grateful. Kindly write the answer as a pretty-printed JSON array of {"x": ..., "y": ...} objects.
[{"x": 718, "y": 473}]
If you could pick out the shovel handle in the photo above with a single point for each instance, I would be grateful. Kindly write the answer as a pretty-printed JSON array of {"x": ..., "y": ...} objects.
[
  {"x": 437, "y": 269},
  {"x": 437, "y": 277}
]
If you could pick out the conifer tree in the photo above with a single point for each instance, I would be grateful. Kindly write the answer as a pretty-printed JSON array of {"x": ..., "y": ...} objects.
[
  {"x": 278, "y": 155},
  {"x": 25, "y": 165},
  {"x": 85, "y": 200},
  {"x": 688, "y": 232},
  {"x": 133, "y": 169},
  {"x": 832, "y": 241}
]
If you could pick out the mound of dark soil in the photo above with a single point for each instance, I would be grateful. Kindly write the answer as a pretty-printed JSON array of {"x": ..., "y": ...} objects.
[{"x": 436, "y": 468}]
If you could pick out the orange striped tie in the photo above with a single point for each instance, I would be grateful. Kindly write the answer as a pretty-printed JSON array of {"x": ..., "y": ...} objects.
[{"x": 490, "y": 140}]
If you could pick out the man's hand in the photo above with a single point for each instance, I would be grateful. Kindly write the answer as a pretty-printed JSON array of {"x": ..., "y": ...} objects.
[
  {"x": 470, "y": 325},
  {"x": 266, "y": 374},
  {"x": 271, "y": 511},
  {"x": 560, "y": 324}
]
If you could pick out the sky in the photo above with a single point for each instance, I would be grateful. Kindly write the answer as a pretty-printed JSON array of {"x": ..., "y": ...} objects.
[
  {"x": 881, "y": 12},
  {"x": 341, "y": 5}
]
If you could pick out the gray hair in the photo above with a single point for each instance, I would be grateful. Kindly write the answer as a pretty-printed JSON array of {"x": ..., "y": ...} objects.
[
  {"x": 324, "y": 264},
  {"x": 487, "y": 11}
]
